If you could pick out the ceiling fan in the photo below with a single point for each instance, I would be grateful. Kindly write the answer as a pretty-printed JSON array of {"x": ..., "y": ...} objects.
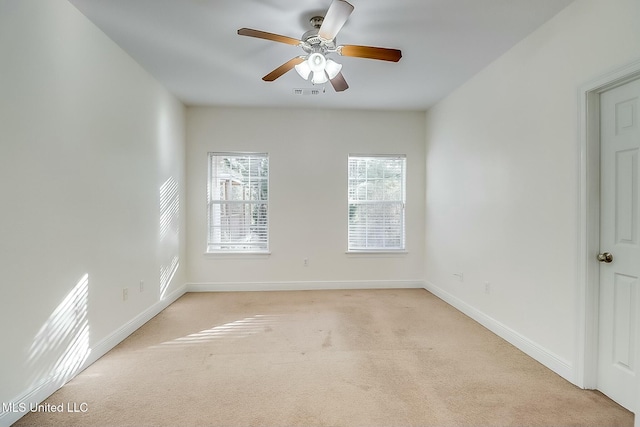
[{"x": 320, "y": 42}]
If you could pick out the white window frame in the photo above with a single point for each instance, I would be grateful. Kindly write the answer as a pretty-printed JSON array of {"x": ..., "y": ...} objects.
[
  {"x": 352, "y": 246},
  {"x": 216, "y": 243}
]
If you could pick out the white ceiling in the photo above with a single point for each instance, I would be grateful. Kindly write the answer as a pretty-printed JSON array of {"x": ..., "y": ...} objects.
[{"x": 192, "y": 46}]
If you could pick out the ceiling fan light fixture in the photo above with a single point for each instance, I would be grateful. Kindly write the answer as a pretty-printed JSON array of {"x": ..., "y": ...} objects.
[
  {"x": 321, "y": 41},
  {"x": 303, "y": 70},
  {"x": 332, "y": 68},
  {"x": 317, "y": 62},
  {"x": 319, "y": 77}
]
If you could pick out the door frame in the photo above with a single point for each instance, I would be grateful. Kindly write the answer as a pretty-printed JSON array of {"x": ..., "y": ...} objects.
[{"x": 588, "y": 275}]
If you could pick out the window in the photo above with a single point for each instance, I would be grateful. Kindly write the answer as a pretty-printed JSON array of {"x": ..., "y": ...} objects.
[
  {"x": 376, "y": 203},
  {"x": 238, "y": 202}
]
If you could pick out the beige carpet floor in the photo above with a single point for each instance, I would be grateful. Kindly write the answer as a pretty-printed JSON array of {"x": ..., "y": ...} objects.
[{"x": 321, "y": 358}]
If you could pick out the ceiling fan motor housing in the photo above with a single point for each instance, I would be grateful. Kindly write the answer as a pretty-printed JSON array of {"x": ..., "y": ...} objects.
[
  {"x": 311, "y": 42},
  {"x": 316, "y": 22}
]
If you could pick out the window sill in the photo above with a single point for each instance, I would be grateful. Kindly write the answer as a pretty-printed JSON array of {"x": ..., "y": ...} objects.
[
  {"x": 243, "y": 255},
  {"x": 382, "y": 253}
]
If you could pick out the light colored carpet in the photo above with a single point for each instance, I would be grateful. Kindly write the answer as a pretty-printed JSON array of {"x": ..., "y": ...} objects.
[{"x": 322, "y": 358}]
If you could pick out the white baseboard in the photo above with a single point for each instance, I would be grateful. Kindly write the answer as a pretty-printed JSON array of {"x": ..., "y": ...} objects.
[
  {"x": 115, "y": 338},
  {"x": 552, "y": 361},
  {"x": 47, "y": 387},
  {"x": 303, "y": 286}
]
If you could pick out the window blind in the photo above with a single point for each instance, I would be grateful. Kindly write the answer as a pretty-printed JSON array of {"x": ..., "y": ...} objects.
[
  {"x": 376, "y": 203},
  {"x": 238, "y": 202}
]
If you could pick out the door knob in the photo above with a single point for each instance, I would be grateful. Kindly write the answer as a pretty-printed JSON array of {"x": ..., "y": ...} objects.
[{"x": 605, "y": 257}]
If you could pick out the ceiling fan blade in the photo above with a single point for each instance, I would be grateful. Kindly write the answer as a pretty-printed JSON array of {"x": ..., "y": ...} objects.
[
  {"x": 370, "y": 52},
  {"x": 339, "y": 83},
  {"x": 335, "y": 18},
  {"x": 283, "y": 69},
  {"x": 268, "y": 36}
]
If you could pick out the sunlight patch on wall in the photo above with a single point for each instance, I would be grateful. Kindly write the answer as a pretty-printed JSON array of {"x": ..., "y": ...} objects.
[
  {"x": 166, "y": 275},
  {"x": 242, "y": 328},
  {"x": 61, "y": 346},
  {"x": 169, "y": 233},
  {"x": 169, "y": 208}
]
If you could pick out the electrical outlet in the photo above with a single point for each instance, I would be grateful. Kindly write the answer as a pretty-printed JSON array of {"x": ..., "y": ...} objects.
[
  {"x": 487, "y": 287},
  {"x": 141, "y": 285},
  {"x": 306, "y": 262},
  {"x": 125, "y": 294}
]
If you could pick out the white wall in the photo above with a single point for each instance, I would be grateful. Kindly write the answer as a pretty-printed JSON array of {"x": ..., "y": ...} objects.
[
  {"x": 87, "y": 139},
  {"x": 308, "y": 152},
  {"x": 502, "y": 177}
]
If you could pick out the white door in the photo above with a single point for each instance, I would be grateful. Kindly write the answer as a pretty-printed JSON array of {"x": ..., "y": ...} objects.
[{"x": 619, "y": 314}]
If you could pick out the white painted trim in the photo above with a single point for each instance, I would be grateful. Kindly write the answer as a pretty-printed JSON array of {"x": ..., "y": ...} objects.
[
  {"x": 303, "y": 286},
  {"x": 552, "y": 361},
  {"x": 382, "y": 254},
  {"x": 588, "y": 278},
  {"x": 47, "y": 387},
  {"x": 119, "y": 335}
]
